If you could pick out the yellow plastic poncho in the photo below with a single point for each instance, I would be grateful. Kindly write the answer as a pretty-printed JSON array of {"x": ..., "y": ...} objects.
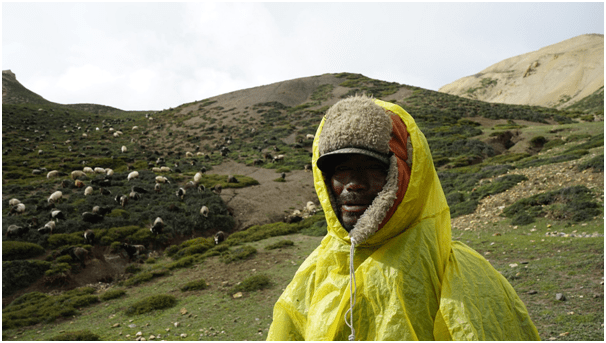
[{"x": 412, "y": 281}]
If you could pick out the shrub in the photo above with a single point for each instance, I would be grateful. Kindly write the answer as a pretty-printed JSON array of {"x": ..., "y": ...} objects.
[
  {"x": 20, "y": 274},
  {"x": 33, "y": 308},
  {"x": 253, "y": 283},
  {"x": 280, "y": 244},
  {"x": 145, "y": 276},
  {"x": 151, "y": 303},
  {"x": 239, "y": 253},
  {"x": 597, "y": 163},
  {"x": 64, "y": 259},
  {"x": 499, "y": 185},
  {"x": 82, "y": 335},
  {"x": 61, "y": 239},
  {"x": 150, "y": 260},
  {"x": 112, "y": 294},
  {"x": 58, "y": 268},
  {"x": 194, "y": 285},
  {"x": 317, "y": 229},
  {"x": 538, "y": 141},
  {"x": 132, "y": 268},
  {"x": 13, "y": 250},
  {"x": 181, "y": 263},
  {"x": 117, "y": 234}
]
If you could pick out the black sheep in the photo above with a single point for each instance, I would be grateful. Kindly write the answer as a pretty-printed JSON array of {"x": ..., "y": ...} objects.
[{"x": 89, "y": 236}]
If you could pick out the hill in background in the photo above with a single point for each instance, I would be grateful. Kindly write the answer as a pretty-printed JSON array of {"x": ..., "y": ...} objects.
[{"x": 558, "y": 75}]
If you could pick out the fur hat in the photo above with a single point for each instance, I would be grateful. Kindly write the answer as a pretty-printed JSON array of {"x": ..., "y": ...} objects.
[{"x": 355, "y": 125}]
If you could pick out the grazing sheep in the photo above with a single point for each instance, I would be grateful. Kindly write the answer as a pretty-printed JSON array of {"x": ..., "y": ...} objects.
[
  {"x": 310, "y": 136},
  {"x": 203, "y": 170},
  {"x": 55, "y": 197},
  {"x": 56, "y": 215},
  {"x": 189, "y": 154},
  {"x": 283, "y": 175},
  {"x": 102, "y": 210},
  {"x": 123, "y": 201},
  {"x": 91, "y": 217},
  {"x": 232, "y": 179},
  {"x": 158, "y": 226},
  {"x": 105, "y": 191},
  {"x": 157, "y": 188},
  {"x": 133, "y": 250},
  {"x": 201, "y": 188},
  {"x": 16, "y": 231},
  {"x": 156, "y": 170},
  {"x": 134, "y": 195},
  {"x": 133, "y": 175},
  {"x": 109, "y": 172},
  {"x": 52, "y": 173},
  {"x": 278, "y": 158},
  {"x": 307, "y": 167},
  {"x": 135, "y": 127},
  {"x": 89, "y": 236},
  {"x": 76, "y": 174},
  {"x": 124, "y": 149},
  {"x": 219, "y": 237},
  {"x": 180, "y": 193},
  {"x": 198, "y": 177},
  {"x": 99, "y": 170},
  {"x": 79, "y": 184},
  {"x": 14, "y": 202},
  {"x": 204, "y": 211},
  {"x": 162, "y": 179},
  {"x": 190, "y": 184},
  {"x": 165, "y": 169},
  {"x": 88, "y": 170},
  {"x": 102, "y": 182},
  {"x": 310, "y": 207},
  {"x": 88, "y": 190},
  {"x": 48, "y": 228},
  {"x": 217, "y": 189}
]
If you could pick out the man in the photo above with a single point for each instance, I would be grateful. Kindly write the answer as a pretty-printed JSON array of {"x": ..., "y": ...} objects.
[{"x": 387, "y": 269}]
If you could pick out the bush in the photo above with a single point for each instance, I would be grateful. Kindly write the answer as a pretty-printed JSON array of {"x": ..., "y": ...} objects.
[
  {"x": 20, "y": 274},
  {"x": 281, "y": 244},
  {"x": 117, "y": 234},
  {"x": 194, "y": 285},
  {"x": 318, "y": 229},
  {"x": 132, "y": 268},
  {"x": 181, "y": 263},
  {"x": 538, "y": 141},
  {"x": 145, "y": 276},
  {"x": 597, "y": 163},
  {"x": 35, "y": 307},
  {"x": 82, "y": 335},
  {"x": 58, "y": 268},
  {"x": 61, "y": 239},
  {"x": 239, "y": 253},
  {"x": 499, "y": 185},
  {"x": 151, "y": 303},
  {"x": 13, "y": 250},
  {"x": 253, "y": 283},
  {"x": 112, "y": 294}
]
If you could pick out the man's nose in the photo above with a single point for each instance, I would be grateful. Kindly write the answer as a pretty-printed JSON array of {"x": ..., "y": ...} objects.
[{"x": 356, "y": 183}]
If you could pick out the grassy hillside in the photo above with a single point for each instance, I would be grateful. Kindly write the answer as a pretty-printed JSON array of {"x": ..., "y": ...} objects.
[{"x": 488, "y": 157}]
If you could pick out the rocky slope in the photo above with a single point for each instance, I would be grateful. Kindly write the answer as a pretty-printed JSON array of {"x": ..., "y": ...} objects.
[{"x": 558, "y": 75}]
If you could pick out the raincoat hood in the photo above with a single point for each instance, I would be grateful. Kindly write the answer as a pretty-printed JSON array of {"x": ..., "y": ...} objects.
[{"x": 411, "y": 281}]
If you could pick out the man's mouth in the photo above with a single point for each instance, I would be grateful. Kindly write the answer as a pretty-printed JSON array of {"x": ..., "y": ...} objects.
[{"x": 354, "y": 208}]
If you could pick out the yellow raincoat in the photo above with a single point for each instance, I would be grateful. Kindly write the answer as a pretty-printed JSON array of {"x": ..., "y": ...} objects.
[{"x": 412, "y": 282}]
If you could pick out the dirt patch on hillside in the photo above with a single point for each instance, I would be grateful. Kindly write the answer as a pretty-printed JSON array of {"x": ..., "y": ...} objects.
[{"x": 269, "y": 201}]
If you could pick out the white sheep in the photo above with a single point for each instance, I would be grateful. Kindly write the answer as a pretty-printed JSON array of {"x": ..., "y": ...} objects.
[
  {"x": 88, "y": 170},
  {"x": 278, "y": 158},
  {"x": 88, "y": 190},
  {"x": 189, "y": 154},
  {"x": 165, "y": 169},
  {"x": 18, "y": 209},
  {"x": 198, "y": 177},
  {"x": 204, "y": 211},
  {"x": 76, "y": 174},
  {"x": 124, "y": 149},
  {"x": 199, "y": 153},
  {"x": 99, "y": 170},
  {"x": 109, "y": 172},
  {"x": 14, "y": 202},
  {"x": 55, "y": 197},
  {"x": 135, "y": 127},
  {"x": 310, "y": 207},
  {"x": 52, "y": 173},
  {"x": 84, "y": 135},
  {"x": 111, "y": 129},
  {"x": 157, "y": 188},
  {"x": 156, "y": 170},
  {"x": 133, "y": 175},
  {"x": 162, "y": 179},
  {"x": 310, "y": 136}
]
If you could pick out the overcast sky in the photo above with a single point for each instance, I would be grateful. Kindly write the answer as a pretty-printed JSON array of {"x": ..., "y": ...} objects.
[{"x": 152, "y": 56}]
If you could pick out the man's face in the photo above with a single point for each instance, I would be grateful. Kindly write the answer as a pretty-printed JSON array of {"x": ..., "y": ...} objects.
[{"x": 356, "y": 181}]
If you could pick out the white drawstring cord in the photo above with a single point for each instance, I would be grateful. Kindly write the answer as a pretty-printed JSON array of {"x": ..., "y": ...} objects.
[{"x": 352, "y": 293}]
